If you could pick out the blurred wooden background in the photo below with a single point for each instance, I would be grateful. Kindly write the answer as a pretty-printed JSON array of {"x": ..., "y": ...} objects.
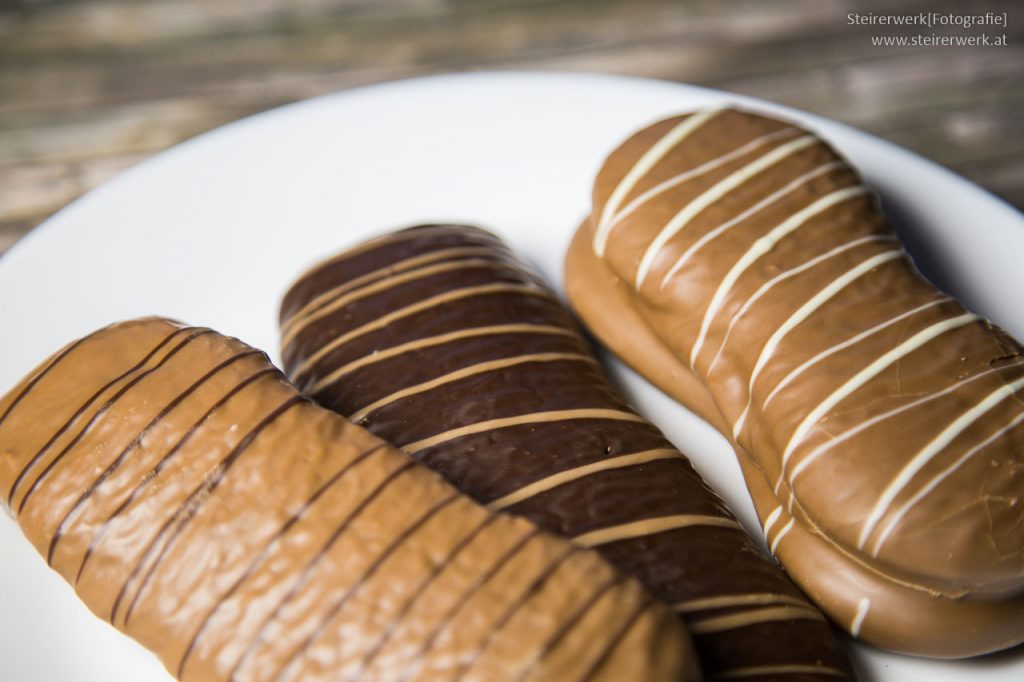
[{"x": 90, "y": 87}]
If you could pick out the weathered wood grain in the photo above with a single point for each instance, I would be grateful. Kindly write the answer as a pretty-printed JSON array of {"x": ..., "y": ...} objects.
[{"x": 90, "y": 87}]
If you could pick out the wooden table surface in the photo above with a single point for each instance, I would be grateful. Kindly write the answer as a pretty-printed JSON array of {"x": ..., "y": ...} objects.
[{"x": 91, "y": 87}]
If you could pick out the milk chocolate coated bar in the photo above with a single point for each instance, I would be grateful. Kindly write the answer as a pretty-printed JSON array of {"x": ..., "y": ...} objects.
[
  {"x": 201, "y": 505},
  {"x": 437, "y": 339},
  {"x": 739, "y": 263}
]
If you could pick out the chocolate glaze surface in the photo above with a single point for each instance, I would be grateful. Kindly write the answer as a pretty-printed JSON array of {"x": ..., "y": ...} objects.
[
  {"x": 497, "y": 390},
  {"x": 196, "y": 501},
  {"x": 738, "y": 262}
]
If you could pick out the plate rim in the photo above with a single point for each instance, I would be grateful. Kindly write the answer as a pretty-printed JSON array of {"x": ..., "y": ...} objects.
[{"x": 55, "y": 220}]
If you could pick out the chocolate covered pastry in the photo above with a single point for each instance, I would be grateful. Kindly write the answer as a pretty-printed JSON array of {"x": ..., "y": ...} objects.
[
  {"x": 739, "y": 263},
  {"x": 437, "y": 339},
  {"x": 201, "y": 505}
]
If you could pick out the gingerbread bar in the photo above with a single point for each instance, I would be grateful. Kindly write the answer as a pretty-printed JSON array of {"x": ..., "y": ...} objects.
[
  {"x": 196, "y": 501},
  {"x": 742, "y": 265}
]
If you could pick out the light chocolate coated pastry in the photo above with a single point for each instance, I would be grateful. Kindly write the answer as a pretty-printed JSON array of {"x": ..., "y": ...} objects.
[
  {"x": 199, "y": 503},
  {"x": 739, "y": 263},
  {"x": 437, "y": 339}
]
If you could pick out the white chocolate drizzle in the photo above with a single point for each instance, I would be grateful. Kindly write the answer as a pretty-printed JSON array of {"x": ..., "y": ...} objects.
[
  {"x": 645, "y": 527},
  {"x": 782, "y": 277},
  {"x": 926, "y": 455},
  {"x": 781, "y": 534},
  {"x": 561, "y": 478},
  {"x": 735, "y": 600},
  {"x": 713, "y": 194},
  {"x": 465, "y": 372},
  {"x": 381, "y": 280},
  {"x": 832, "y": 350},
  {"x": 530, "y": 418},
  {"x": 809, "y": 458},
  {"x": 858, "y": 618},
  {"x": 741, "y": 217},
  {"x": 399, "y": 266},
  {"x": 770, "y": 520},
  {"x": 418, "y": 307},
  {"x": 875, "y": 368},
  {"x": 802, "y": 313},
  {"x": 945, "y": 473},
  {"x": 763, "y": 246},
  {"x": 383, "y": 240},
  {"x": 692, "y": 173},
  {"x": 748, "y": 618},
  {"x": 643, "y": 166},
  {"x": 437, "y": 340}
]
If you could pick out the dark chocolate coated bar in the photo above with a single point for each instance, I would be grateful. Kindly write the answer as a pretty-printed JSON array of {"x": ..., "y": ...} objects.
[{"x": 437, "y": 339}]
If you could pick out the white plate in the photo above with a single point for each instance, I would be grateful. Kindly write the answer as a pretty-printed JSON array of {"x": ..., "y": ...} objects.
[{"x": 213, "y": 231}]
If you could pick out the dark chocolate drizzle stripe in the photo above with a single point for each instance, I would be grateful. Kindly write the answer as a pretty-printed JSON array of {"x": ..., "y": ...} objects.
[
  {"x": 447, "y": 297},
  {"x": 359, "y": 293},
  {"x": 135, "y": 442},
  {"x": 617, "y": 639},
  {"x": 320, "y": 300},
  {"x": 368, "y": 573},
  {"x": 265, "y": 552},
  {"x": 431, "y": 341},
  {"x": 477, "y": 585},
  {"x": 570, "y": 623},
  {"x": 162, "y": 464},
  {"x": 17, "y": 481},
  {"x": 307, "y": 572},
  {"x": 529, "y": 418},
  {"x": 60, "y": 355},
  {"x": 411, "y": 601},
  {"x": 471, "y": 370},
  {"x": 101, "y": 412},
  {"x": 531, "y": 589},
  {"x": 188, "y": 508}
]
